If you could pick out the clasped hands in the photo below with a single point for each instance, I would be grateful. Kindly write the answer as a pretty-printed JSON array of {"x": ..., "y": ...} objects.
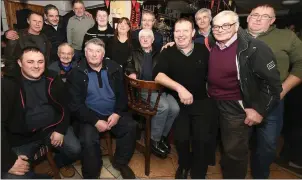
[{"x": 103, "y": 125}]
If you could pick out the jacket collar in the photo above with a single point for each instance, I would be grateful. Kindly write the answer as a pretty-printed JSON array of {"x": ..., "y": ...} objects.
[
  {"x": 140, "y": 50},
  {"x": 107, "y": 64},
  {"x": 243, "y": 39}
]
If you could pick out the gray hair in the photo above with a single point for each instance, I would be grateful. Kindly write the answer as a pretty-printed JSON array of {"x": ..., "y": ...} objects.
[
  {"x": 202, "y": 10},
  {"x": 223, "y": 14},
  {"x": 65, "y": 44},
  {"x": 95, "y": 41},
  {"x": 147, "y": 32}
]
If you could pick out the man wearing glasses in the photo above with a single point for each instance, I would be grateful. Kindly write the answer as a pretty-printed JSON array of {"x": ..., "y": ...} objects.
[
  {"x": 244, "y": 81},
  {"x": 287, "y": 48}
]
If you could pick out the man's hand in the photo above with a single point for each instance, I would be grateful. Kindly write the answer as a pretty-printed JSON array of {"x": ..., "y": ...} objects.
[
  {"x": 185, "y": 96},
  {"x": 12, "y": 35},
  {"x": 133, "y": 76},
  {"x": 169, "y": 44},
  {"x": 252, "y": 117},
  {"x": 112, "y": 120},
  {"x": 56, "y": 139},
  {"x": 101, "y": 125},
  {"x": 20, "y": 167},
  {"x": 88, "y": 14}
]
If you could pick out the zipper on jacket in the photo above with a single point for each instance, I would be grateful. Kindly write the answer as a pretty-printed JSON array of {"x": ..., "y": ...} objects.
[
  {"x": 237, "y": 59},
  {"x": 51, "y": 80}
]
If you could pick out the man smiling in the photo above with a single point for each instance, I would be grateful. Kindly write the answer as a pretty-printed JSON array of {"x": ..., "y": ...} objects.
[{"x": 245, "y": 82}]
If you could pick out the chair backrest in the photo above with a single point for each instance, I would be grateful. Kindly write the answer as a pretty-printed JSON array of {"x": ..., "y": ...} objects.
[{"x": 136, "y": 102}]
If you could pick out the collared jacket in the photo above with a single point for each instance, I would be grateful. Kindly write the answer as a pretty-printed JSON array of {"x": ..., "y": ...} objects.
[
  {"x": 14, "y": 131},
  {"x": 135, "y": 61},
  {"x": 77, "y": 84},
  {"x": 258, "y": 74},
  {"x": 55, "y": 37}
]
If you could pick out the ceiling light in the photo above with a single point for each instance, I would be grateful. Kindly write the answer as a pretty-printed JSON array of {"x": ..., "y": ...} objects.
[{"x": 290, "y": 2}]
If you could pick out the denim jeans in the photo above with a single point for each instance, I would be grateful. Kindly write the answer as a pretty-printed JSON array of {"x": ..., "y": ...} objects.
[
  {"x": 167, "y": 111},
  {"x": 264, "y": 145},
  {"x": 68, "y": 153},
  {"x": 124, "y": 131}
]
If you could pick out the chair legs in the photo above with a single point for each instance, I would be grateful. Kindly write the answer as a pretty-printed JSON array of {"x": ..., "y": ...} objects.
[
  {"x": 53, "y": 164},
  {"x": 147, "y": 145},
  {"x": 109, "y": 146}
]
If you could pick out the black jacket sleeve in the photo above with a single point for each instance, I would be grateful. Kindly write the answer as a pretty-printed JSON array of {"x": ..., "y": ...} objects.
[
  {"x": 130, "y": 67},
  {"x": 265, "y": 68},
  {"x": 8, "y": 157},
  {"x": 76, "y": 89}
]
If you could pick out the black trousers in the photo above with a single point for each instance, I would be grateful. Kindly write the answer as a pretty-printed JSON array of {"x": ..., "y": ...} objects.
[
  {"x": 193, "y": 130},
  {"x": 292, "y": 129},
  {"x": 235, "y": 138},
  {"x": 124, "y": 131}
]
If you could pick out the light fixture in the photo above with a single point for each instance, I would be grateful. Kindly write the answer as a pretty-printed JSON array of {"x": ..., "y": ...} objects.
[{"x": 290, "y": 2}]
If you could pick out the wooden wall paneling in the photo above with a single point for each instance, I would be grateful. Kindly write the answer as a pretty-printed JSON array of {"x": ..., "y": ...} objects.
[{"x": 11, "y": 7}]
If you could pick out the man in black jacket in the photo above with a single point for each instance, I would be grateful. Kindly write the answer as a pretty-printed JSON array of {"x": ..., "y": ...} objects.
[
  {"x": 34, "y": 113},
  {"x": 244, "y": 81},
  {"x": 140, "y": 66},
  {"x": 99, "y": 102}
]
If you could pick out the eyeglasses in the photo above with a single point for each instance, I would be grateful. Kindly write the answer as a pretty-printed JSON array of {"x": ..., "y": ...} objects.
[
  {"x": 224, "y": 27},
  {"x": 263, "y": 16}
]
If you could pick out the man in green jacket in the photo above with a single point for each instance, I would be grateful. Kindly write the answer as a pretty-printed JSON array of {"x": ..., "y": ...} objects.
[{"x": 287, "y": 48}]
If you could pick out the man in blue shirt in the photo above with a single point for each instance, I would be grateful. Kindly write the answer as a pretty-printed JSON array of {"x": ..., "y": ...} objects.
[{"x": 99, "y": 102}]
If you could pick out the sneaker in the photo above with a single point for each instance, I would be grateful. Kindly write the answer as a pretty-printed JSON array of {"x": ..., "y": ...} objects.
[
  {"x": 287, "y": 165},
  {"x": 125, "y": 171},
  {"x": 67, "y": 171}
]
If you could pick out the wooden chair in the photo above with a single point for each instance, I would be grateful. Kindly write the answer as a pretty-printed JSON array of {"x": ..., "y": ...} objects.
[
  {"x": 46, "y": 150},
  {"x": 108, "y": 138},
  {"x": 143, "y": 107}
]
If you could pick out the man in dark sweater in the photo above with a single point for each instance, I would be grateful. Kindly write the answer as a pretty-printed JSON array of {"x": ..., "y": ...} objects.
[
  {"x": 99, "y": 101},
  {"x": 183, "y": 69},
  {"x": 244, "y": 81},
  {"x": 34, "y": 113},
  {"x": 28, "y": 37}
]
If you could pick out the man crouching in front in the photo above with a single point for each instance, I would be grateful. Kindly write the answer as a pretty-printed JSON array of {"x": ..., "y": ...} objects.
[{"x": 98, "y": 100}]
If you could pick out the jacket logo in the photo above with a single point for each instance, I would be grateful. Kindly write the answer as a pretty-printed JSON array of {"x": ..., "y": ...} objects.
[{"x": 270, "y": 65}]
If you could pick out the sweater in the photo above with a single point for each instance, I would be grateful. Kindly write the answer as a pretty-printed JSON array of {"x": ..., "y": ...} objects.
[
  {"x": 76, "y": 30},
  {"x": 287, "y": 48},
  {"x": 223, "y": 83}
]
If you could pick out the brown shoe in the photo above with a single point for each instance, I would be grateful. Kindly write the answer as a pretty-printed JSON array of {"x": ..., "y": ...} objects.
[{"x": 67, "y": 171}]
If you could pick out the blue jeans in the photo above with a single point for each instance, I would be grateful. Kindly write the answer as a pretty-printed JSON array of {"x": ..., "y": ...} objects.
[
  {"x": 68, "y": 153},
  {"x": 265, "y": 137},
  {"x": 167, "y": 111}
]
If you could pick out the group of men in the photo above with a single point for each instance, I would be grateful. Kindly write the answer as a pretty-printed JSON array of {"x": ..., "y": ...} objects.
[{"x": 218, "y": 69}]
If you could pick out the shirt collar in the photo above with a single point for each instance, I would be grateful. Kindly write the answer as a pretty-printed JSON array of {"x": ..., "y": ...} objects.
[
  {"x": 104, "y": 66},
  {"x": 227, "y": 44},
  {"x": 79, "y": 18},
  {"x": 205, "y": 34},
  {"x": 189, "y": 53}
]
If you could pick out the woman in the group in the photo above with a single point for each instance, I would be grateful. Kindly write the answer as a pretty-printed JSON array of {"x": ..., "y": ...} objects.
[{"x": 119, "y": 47}]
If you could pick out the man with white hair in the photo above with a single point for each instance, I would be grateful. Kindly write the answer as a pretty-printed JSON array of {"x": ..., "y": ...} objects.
[
  {"x": 244, "y": 81},
  {"x": 148, "y": 21},
  {"x": 183, "y": 70},
  {"x": 288, "y": 51},
  {"x": 140, "y": 66},
  {"x": 99, "y": 101}
]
